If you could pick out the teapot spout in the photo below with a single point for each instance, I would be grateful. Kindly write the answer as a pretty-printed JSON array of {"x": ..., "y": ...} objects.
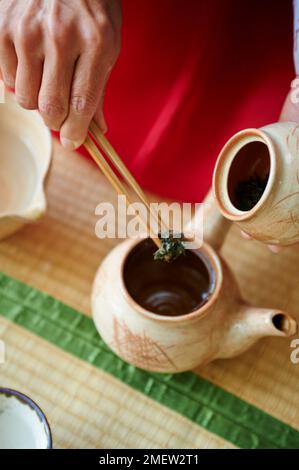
[{"x": 251, "y": 324}]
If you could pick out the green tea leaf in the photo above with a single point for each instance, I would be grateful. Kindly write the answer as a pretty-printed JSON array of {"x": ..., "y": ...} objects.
[{"x": 171, "y": 248}]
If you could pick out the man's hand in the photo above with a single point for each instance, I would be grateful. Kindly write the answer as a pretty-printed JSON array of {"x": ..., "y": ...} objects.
[{"x": 58, "y": 54}]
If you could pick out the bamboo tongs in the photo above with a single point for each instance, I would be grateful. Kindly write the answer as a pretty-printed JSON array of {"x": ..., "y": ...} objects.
[{"x": 96, "y": 136}]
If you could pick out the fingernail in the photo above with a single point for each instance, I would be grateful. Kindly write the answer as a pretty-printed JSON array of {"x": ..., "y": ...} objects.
[{"x": 69, "y": 144}]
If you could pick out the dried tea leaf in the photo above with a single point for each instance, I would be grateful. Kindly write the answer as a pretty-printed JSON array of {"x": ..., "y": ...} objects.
[
  {"x": 249, "y": 192},
  {"x": 171, "y": 248}
]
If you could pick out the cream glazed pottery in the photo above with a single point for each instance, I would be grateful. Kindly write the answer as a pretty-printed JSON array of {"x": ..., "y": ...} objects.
[
  {"x": 271, "y": 152},
  {"x": 222, "y": 327},
  {"x": 26, "y": 149}
]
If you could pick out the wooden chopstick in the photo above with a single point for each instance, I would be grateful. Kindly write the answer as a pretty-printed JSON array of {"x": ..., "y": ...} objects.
[
  {"x": 106, "y": 169},
  {"x": 108, "y": 172},
  {"x": 104, "y": 143}
]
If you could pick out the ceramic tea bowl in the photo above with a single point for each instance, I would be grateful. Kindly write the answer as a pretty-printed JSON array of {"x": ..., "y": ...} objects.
[
  {"x": 26, "y": 149},
  {"x": 23, "y": 425},
  {"x": 270, "y": 156}
]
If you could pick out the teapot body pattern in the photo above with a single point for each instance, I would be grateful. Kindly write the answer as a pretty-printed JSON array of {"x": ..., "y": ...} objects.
[{"x": 222, "y": 327}]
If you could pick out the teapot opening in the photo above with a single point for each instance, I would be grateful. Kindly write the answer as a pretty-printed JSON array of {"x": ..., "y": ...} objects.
[
  {"x": 170, "y": 289},
  {"x": 248, "y": 175},
  {"x": 282, "y": 322}
]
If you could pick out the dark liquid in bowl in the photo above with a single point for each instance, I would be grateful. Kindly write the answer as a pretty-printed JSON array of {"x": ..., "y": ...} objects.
[{"x": 172, "y": 289}]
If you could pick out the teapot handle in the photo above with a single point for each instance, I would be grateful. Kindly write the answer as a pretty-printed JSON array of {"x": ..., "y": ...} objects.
[{"x": 215, "y": 226}]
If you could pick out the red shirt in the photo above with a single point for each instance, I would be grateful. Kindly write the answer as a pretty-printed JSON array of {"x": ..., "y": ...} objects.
[{"x": 190, "y": 74}]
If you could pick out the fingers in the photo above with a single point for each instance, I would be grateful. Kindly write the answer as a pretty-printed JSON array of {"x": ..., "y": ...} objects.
[
  {"x": 8, "y": 61},
  {"x": 246, "y": 235},
  {"x": 57, "y": 57},
  {"x": 53, "y": 99},
  {"x": 30, "y": 65},
  {"x": 275, "y": 248},
  {"x": 28, "y": 79},
  {"x": 99, "y": 114},
  {"x": 87, "y": 88},
  {"x": 290, "y": 109},
  {"x": 100, "y": 118}
]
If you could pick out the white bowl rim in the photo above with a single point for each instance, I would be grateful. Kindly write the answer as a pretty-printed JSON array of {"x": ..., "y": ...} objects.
[
  {"x": 9, "y": 392},
  {"x": 10, "y": 98}
]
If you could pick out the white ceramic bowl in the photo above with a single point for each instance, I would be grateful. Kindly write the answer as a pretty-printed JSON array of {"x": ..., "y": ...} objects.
[
  {"x": 26, "y": 149},
  {"x": 23, "y": 425}
]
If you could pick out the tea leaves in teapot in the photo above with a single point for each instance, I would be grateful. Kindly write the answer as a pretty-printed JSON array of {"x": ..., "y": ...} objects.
[
  {"x": 249, "y": 192},
  {"x": 171, "y": 248}
]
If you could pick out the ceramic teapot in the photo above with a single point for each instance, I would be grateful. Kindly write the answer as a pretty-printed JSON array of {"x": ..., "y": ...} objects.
[
  {"x": 26, "y": 150},
  {"x": 270, "y": 156},
  {"x": 149, "y": 331}
]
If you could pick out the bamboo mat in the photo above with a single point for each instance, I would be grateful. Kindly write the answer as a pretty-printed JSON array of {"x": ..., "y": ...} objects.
[{"x": 91, "y": 403}]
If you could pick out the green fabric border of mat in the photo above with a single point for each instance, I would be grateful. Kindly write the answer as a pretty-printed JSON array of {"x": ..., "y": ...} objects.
[{"x": 199, "y": 400}]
